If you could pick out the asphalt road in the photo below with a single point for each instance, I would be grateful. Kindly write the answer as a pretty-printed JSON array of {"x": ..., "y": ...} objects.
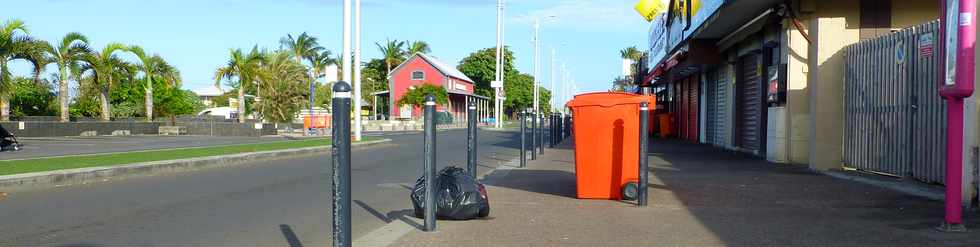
[
  {"x": 38, "y": 147},
  {"x": 271, "y": 203}
]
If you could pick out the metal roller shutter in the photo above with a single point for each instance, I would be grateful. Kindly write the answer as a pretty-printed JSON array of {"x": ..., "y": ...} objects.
[
  {"x": 717, "y": 115},
  {"x": 750, "y": 104}
]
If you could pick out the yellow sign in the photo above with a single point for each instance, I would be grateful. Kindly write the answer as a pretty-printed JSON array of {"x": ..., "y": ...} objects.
[
  {"x": 649, "y": 8},
  {"x": 680, "y": 7}
]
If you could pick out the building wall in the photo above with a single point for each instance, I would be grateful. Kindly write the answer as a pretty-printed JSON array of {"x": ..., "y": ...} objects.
[
  {"x": 815, "y": 74},
  {"x": 402, "y": 80},
  {"x": 834, "y": 26},
  {"x": 907, "y": 13},
  {"x": 797, "y": 94}
]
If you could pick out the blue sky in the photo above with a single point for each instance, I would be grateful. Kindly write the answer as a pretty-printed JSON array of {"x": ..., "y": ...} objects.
[{"x": 195, "y": 35}]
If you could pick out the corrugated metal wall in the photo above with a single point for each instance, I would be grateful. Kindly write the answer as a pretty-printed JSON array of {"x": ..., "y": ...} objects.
[{"x": 894, "y": 119}]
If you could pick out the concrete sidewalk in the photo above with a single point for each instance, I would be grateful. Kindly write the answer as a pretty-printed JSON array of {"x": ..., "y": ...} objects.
[{"x": 699, "y": 196}]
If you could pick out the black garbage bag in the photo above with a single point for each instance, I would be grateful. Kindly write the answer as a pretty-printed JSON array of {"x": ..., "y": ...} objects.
[{"x": 458, "y": 196}]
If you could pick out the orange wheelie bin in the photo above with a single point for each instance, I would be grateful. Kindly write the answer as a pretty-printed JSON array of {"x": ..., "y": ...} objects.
[{"x": 607, "y": 138}]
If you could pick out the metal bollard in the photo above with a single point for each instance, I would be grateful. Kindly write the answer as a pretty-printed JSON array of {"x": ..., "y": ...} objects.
[
  {"x": 523, "y": 119},
  {"x": 561, "y": 129},
  {"x": 340, "y": 151},
  {"x": 430, "y": 163},
  {"x": 534, "y": 135},
  {"x": 471, "y": 139},
  {"x": 641, "y": 188},
  {"x": 540, "y": 136}
]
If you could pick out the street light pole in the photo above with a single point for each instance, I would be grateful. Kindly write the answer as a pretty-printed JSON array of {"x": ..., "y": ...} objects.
[
  {"x": 564, "y": 81},
  {"x": 357, "y": 70},
  {"x": 345, "y": 55},
  {"x": 554, "y": 94},
  {"x": 536, "y": 93},
  {"x": 498, "y": 103}
]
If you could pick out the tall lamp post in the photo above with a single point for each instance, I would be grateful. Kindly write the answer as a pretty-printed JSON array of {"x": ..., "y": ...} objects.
[
  {"x": 357, "y": 71},
  {"x": 499, "y": 85}
]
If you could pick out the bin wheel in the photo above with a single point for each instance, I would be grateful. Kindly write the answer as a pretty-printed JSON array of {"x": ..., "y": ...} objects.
[{"x": 629, "y": 191}]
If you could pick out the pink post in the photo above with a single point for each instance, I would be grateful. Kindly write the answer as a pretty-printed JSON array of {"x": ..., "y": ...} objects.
[{"x": 957, "y": 86}]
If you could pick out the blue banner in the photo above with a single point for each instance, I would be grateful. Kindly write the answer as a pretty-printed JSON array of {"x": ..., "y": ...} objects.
[{"x": 669, "y": 29}]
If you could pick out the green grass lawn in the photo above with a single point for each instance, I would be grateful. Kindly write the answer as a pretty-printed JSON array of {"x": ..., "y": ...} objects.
[{"x": 83, "y": 161}]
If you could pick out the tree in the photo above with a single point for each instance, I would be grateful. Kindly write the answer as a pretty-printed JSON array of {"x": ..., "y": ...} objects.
[
  {"x": 32, "y": 98},
  {"x": 282, "y": 81},
  {"x": 631, "y": 53},
  {"x": 105, "y": 66},
  {"x": 16, "y": 44},
  {"x": 374, "y": 80},
  {"x": 416, "y": 96},
  {"x": 620, "y": 84},
  {"x": 393, "y": 53},
  {"x": 418, "y": 47},
  {"x": 243, "y": 67},
  {"x": 319, "y": 63},
  {"x": 481, "y": 67},
  {"x": 520, "y": 91},
  {"x": 301, "y": 47},
  {"x": 174, "y": 102},
  {"x": 155, "y": 69},
  {"x": 66, "y": 56}
]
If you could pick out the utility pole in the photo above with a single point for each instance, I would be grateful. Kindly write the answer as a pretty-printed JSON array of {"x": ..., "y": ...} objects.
[
  {"x": 498, "y": 103},
  {"x": 564, "y": 81},
  {"x": 357, "y": 70},
  {"x": 536, "y": 91},
  {"x": 554, "y": 94},
  {"x": 345, "y": 55}
]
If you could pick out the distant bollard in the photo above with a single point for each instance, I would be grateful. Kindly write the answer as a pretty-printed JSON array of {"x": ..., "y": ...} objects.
[
  {"x": 523, "y": 119},
  {"x": 471, "y": 139},
  {"x": 540, "y": 137},
  {"x": 341, "y": 164},
  {"x": 641, "y": 192},
  {"x": 430, "y": 163},
  {"x": 534, "y": 135},
  {"x": 551, "y": 131}
]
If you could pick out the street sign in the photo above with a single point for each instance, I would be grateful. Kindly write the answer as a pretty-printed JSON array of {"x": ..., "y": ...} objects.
[
  {"x": 496, "y": 84},
  {"x": 926, "y": 48}
]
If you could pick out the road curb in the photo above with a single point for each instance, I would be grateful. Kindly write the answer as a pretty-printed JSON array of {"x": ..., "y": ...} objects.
[{"x": 50, "y": 179}]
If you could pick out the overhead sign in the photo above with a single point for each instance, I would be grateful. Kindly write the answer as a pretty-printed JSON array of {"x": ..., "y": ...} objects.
[
  {"x": 649, "y": 8},
  {"x": 496, "y": 84}
]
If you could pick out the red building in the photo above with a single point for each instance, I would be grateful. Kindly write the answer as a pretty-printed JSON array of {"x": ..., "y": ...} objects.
[{"x": 424, "y": 69}]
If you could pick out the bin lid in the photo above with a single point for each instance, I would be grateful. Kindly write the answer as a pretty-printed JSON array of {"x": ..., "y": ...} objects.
[{"x": 608, "y": 99}]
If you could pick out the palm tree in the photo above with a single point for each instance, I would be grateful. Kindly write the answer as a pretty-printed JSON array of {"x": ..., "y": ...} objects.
[
  {"x": 304, "y": 47},
  {"x": 301, "y": 47},
  {"x": 15, "y": 44},
  {"x": 154, "y": 67},
  {"x": 280, "y": 79},
  {"x": 418, "y": 47},
  {"x": 393, "y": 52},
  {"x": 105, "y": 67},
  {"x": 634, "y": 55},
  {"x": 66, "y": 56},
  {"x": 319, "y": 62},
  {"x": 631, "y": 53},
  {"x": 245, "y": 68}
]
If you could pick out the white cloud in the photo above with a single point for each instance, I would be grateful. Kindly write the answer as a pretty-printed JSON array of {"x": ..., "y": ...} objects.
[{"x": 586, "y": 15}]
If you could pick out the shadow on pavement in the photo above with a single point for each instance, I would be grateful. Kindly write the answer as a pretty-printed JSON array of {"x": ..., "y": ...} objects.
[
  {"x": 744, "y": 200},
  {"x": 391, "y": 216},
  {"x": 560, "y": 183},
  {"x": 290, "y": 236}
]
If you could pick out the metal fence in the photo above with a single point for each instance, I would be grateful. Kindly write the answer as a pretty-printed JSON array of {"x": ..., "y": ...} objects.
[{"x": 894, "y": 119}]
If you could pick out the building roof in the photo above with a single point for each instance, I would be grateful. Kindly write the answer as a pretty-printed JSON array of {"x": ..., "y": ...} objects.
[
  {"x": 209, "y": 91},
  {"x": 439, "y": 65}
]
